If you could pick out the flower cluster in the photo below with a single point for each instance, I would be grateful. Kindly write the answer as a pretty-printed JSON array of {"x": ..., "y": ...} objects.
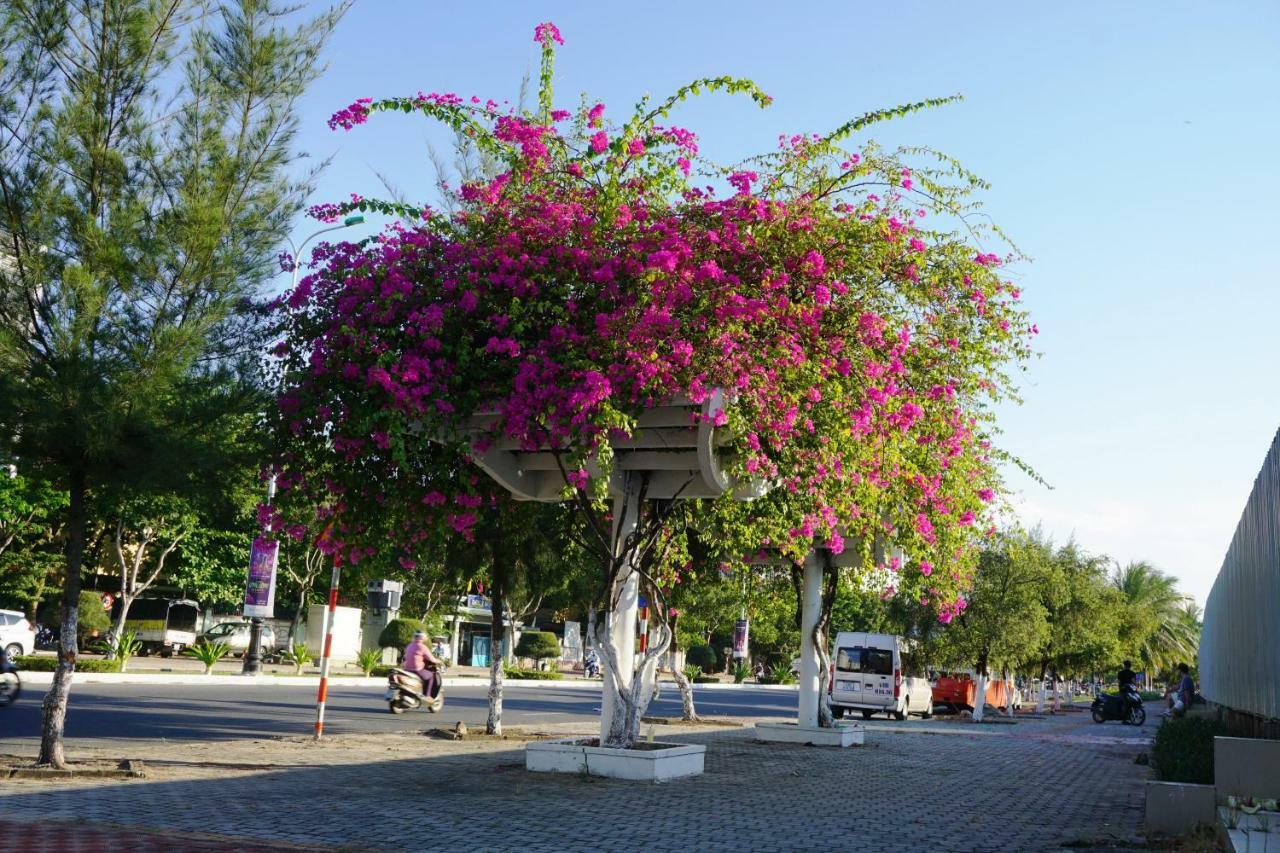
[{"x": 589, "y": 281}]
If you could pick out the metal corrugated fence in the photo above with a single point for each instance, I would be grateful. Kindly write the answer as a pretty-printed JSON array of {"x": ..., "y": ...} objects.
[{"x": 1240, "y": 643}]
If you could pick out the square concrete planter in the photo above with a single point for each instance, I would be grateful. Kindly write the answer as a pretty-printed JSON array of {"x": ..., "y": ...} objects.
[
  {"x": 646, "y": 762},
  {"x": 841, "y": 736},
  {"x": 1252, "y": 833},
  {"x": 1176, "y": 808}
]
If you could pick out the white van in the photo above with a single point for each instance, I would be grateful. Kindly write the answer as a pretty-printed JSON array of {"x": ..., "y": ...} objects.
[{"x": 866, "y": 676}]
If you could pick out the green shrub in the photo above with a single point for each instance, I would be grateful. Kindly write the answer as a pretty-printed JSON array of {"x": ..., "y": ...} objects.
[
  {"x": 703, "y": 656},
  {"x": 780, "y": 673},
  {"x": 368, "y": 660},
  {"x": 382, "y": 670},
  {"x": 692, "y": 671},
  {"x": 91, "y": 617},
  {"x": 299, "y": 656},
  {"x": 706, "y": 679},
  {"x": 122, "y": 648},
  {"x": 1182, "y": 750},
  {"x": 31, "y": 663},
  {"x": 741, "y": 671},
  {"x": 1151, "y": 696},
  {"x": 538, "y": 645},
  {"x": 531, "y": 674},
  {"x": 207, "y": 653},
  {"x": 399, "y": 633}
]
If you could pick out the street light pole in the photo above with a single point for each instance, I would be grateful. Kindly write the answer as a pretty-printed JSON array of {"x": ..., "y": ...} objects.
[
  {"x": 297, "y": 251},
  {"x": 253, "y": 655}
]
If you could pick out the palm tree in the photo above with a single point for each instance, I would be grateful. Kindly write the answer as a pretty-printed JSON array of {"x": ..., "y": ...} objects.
[{"x": 1163, "y": 624}]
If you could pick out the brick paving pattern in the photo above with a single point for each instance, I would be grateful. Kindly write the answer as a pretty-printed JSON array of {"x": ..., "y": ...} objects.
[
  {"x": 60, "y": 836},
  {"x": 1034, "y": 786}
]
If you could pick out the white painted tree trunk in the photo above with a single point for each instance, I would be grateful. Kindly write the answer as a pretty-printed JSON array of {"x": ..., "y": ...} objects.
[
  {"x": 1040, "y": 701},
  {"x": 810, "y": 610},
  {"x": 617, "y": 641},
  {"x": 979, "y": 696},
  {"x": 1009, "y": 687},
  {"x": 688, "y": 711}
]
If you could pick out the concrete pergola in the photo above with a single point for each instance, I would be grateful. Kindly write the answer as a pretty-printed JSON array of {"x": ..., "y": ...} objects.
[
  {"x": 674, "y": 453},
  {"x": 806, "y": 728}
]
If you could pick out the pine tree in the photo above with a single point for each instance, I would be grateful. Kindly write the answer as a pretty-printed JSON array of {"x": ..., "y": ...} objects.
[{"x": 148, "y": 174}]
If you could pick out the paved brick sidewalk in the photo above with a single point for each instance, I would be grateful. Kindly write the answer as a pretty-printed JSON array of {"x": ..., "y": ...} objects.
[
  {"x": 60, "y": 836},
  {"x": 1034, "y": 786}
]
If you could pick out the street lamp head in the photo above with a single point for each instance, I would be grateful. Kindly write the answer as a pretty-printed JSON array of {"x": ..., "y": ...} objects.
[{"x": 353, "y": 220}]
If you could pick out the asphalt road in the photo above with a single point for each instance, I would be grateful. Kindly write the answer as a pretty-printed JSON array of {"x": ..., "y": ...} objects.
[{"x": 197, "y": 712}]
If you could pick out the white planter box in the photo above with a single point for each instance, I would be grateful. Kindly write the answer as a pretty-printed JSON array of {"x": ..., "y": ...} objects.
[
  {"x": 842, "y": 735},
  {"x": 1176, "y": 808},
  {"x": 656, "y": 762}
]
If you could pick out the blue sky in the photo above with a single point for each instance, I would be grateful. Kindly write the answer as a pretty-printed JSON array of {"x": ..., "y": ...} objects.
[{"x": 1131, "y": 148}]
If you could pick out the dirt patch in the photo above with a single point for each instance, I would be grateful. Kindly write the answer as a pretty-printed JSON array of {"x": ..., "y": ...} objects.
[
  {"x": 701, "y": 721},
  {"x": 19, "y": 769},
  {"x": 508, "y": 734}
]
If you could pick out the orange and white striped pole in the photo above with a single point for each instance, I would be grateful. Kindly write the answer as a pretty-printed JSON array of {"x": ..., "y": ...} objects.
[{"x": 323, "y": 693}]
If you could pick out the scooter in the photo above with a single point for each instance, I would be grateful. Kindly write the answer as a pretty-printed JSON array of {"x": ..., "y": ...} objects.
[
  {"x": 405, "y": 691},
  {"x": 10, "y": 683},
  {"x": 1111, "y": 706},
  {"x": 591, "y": 669}
]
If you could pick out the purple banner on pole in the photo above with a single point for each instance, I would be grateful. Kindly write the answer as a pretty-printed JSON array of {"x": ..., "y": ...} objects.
[
  {"x": 260, "y": 588},
  {"x": 741, "y": 628}
]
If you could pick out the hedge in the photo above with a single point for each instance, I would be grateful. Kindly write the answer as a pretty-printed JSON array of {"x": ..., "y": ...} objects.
[
  {"x": 399, "y": 633},
  {"x": 703, "y": 656},
  {"x": 538, "y": 645},
  {"x": 1182, "y": 750},
  {"x": 532, "y": 674},
  {"x": 31, "y": 663}
]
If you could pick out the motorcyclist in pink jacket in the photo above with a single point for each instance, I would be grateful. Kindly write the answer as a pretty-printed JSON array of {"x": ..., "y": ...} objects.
[{"x": 417, "y": 657}]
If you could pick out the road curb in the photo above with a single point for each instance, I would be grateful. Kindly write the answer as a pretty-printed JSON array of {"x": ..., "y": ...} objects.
[{"x": 46, "y": 678}]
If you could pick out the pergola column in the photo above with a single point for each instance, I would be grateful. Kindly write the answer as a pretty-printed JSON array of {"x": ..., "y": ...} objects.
[
  {"x": 621, "y": 623},
  {"x": 810, "y": 610}
]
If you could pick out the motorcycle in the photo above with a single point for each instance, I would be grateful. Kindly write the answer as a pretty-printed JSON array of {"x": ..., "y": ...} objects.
[
  {"x": 405, "y": 691},
  {"x": 46, "y": 638},
  {"x": 10, "y": 683},
  {"x": 1112, "y": 706},
  {"x": 591, "y": 669}
]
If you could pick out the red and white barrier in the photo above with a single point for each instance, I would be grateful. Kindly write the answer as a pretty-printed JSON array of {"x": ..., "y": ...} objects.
[{"x": 325, "y": 657}]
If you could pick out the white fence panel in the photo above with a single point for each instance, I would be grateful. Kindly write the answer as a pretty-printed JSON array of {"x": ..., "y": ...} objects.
[{"x": 1240, "y": 643}]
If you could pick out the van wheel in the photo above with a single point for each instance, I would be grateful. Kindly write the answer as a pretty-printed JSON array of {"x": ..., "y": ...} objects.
[
  {"x": 837, "y": 712},
  {"x": 900, "y": 715},
  {"x": 866, "y": 715}
]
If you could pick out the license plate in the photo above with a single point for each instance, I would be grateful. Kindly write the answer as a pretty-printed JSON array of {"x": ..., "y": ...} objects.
[
  {"x": 846, "y": 685},
  {"x": 390, "y": 694}
]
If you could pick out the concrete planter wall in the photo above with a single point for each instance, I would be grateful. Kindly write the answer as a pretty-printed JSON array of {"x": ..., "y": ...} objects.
[
  {"x": 656, "y": 762},
  {"x": 1176, "y": 808},
  {"x": 841, "y": 736},
  {"x": 1246, "y": 767}
]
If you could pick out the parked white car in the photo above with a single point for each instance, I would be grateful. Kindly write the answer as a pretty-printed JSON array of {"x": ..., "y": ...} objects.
[
  {"x": 17, "y": 635},
  {"x": 867, "y": 676}
]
